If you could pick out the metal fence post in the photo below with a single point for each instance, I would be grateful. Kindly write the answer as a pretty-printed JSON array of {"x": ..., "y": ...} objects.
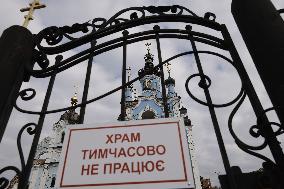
[
  {"x": 16, "y": 47},
  {"x": 262, "y": 29}
]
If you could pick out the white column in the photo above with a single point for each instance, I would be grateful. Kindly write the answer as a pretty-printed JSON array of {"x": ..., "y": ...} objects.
[
  {"x": 195, "y": 169},
  {"x": 34, "y": 177},
  {"x": 43, "y": 177}
]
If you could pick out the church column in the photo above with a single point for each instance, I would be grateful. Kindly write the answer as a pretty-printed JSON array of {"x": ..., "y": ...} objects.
[
  {"x": 192, "y": 157},
  {"x": 128, "y": 94},
  {"x": 171, "y": 90},
  {"x": 128, "y": 90},
  {"x": 170, "y": 82},
  {"x": 44, "y": 177},
  {"x": 34, "y": 176}
]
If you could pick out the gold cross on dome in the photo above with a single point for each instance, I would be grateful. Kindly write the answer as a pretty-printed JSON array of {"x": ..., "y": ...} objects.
[
  {"x": 128, "y": 73},
  {"x": 33, "y": 6},
  {"x": 74, "y": 99},
  {"x": 168, "y": 68},
  {"x": 148, "y": 47}
]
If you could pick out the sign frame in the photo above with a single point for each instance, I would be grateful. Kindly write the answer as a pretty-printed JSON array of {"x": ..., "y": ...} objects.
[{"x": 185, "y": 182}]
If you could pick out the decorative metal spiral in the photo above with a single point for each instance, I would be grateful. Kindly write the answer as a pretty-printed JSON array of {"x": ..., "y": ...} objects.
[
  {"x": 53, "y": 35},
  {"x": 245, "y": 147},
  {"x": 4, "y": 182},
  {"x": 30, "y": 128},
  {"x": 207, "y": 85},
  {"x": 101, "y": 27},
  {"x": 25, "y": 94},
  {"x": 280, "y": 126},
  {"x": 254, "y": 130}
]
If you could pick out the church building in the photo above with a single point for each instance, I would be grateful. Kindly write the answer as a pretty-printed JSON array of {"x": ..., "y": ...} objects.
[{"x": 148, "y": 105}]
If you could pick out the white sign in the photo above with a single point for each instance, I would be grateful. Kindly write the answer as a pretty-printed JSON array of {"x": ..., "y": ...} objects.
[{"x": 132, "y": 154}]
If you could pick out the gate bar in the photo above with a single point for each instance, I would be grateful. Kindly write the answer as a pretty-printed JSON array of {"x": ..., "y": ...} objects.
[
  {"x": 123, "y": 79},
  {"x": 25, "y": 174},
  {"x": 203, "y": 84},
  {"x": 164, "y": 95},
  {"x": 264, "y": 126},
  {"x": 86, "y": 85}
]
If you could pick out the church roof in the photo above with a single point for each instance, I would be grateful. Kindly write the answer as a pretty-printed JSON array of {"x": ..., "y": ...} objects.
[{"x": 70, "y": 116}]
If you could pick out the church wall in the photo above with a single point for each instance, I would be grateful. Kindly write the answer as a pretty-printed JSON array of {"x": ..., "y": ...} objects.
[{"x": 39, "y": 173}]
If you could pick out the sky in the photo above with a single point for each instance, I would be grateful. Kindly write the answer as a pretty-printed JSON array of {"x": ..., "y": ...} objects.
[{"x": 106, "y": 75}]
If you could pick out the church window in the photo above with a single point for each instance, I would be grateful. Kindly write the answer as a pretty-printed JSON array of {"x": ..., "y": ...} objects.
[
  {"x": 148, "y": 115},
  {"x": 52, "y": 182},
  {"x": 62, "y": 137},
  {"x": 147, "y": 84}
]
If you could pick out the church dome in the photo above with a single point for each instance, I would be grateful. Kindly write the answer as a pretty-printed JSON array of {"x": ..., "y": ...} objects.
[
  {"x": 71, "y": 116},
  {"x": 170, "y": 81},
  {"x": 183, "y": 110},
  {"x": 149, "y": 68}
]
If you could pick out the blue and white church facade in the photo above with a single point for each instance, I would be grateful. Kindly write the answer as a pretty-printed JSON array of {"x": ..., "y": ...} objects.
[{"x": 148, "y": 105}]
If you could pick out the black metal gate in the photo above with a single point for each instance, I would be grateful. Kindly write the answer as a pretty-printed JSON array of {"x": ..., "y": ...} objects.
[{"x": 59, "y": 40}]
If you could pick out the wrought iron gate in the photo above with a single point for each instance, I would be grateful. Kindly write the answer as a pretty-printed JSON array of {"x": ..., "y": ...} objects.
[{"x": 59, "y": 40}]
